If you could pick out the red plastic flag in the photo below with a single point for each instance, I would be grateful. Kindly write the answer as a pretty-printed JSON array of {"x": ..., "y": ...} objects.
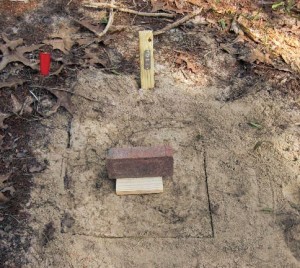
[{"x": 45, "y": 60}]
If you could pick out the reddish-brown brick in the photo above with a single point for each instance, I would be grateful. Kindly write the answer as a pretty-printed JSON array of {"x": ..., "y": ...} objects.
[{"x": 140, "y": 162}]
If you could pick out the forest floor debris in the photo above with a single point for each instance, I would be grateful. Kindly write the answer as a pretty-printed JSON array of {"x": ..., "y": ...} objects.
[{"x": 232, "y": 75}]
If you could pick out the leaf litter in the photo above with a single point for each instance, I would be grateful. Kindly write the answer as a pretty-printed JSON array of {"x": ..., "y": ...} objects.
[
  {"x": 63, "y": 99},
  {"x": 184, "y": 59},
  {"x": 19, "y": 108},
  {"x": 177, "y": 6},
  {"x": 13, "y": 51},
  {"x": 57, "y": 44},
  {"x": 283, "y": 42},
  {"x": 92, "y": 59},
  {"x": 13, "y": 82},
  {"x": 65, "y": 35}
]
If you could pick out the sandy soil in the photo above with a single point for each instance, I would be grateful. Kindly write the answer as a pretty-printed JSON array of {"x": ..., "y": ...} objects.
[{"x": 229, "y": 203}]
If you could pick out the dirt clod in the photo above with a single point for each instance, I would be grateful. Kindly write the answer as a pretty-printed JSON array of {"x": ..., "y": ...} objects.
[{"x": 48, "y": 233}]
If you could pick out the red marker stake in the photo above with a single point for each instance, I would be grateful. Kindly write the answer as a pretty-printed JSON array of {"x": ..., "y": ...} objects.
[{"x": 45, "y": 60}]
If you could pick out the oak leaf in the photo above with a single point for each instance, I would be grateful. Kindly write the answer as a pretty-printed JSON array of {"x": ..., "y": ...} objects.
[{"x": 12, "y": 51}]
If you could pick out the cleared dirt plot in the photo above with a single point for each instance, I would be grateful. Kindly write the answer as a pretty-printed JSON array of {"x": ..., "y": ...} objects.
[{"x": 181, "y": 211}]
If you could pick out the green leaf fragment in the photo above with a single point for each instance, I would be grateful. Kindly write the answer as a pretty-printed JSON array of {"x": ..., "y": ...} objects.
[
  {"x": 277, "y": 5},
  {"x": 255, "y": 125},
  {"x": 104, "y": 20},
  {"x": 115, "y": 72},
  {"x": 199, "y": 137},
  {"x": 267, "y": 210},
  {"x": 222, "y": 24}
]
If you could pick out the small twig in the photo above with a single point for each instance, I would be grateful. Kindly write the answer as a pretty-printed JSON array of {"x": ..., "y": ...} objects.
[
  {"x": 126, "y": 10},
  {"x": 24, "y": 1},
  {"x": 179, "y": 22},
  {"x": 34, "y": 95},
  {"x": 84, "y": 46},
  {"x": 110, "y": 20},
  {"x": 106, "y": 29},
  {"x": 109, "y": 23},
  {"x": 12, "y": 217}
]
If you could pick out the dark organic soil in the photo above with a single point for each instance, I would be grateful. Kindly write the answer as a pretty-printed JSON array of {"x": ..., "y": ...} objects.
[
  {"x": 16, "y": 158},
  {"x": 17, "y": 8}
]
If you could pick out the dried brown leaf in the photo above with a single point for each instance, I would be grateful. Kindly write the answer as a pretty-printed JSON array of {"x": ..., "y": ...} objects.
[
  {"x": 196, "y": 3},
  {"x": 53, "y": 109},
  {"x": 21, "y": 108},
  {"x": 3, "y": 178},
  {"x": 229, "y": 49},
  {"x": 65, "y": 33},
  {"x": 116, "y": 28},
  {"x": 27, "y": 105},
  {"x": 63, "y": 99},
  {"x": 58, "y": 71},
  {"x": 157, "y": 5},
  {"x": 179, "y": 4},
  {"x": 57, "y": 44},
  {"x": 13, "y": 83},
  {"x": 88, "y": 24},
  {"x": 13, "y": 52},
  {"x": 2, "y": 118},
  {"x": 12, "y": 44},
  {"x": 3, "y": 198},
  {"x": 279, "y": 41},
  {"x": 92, "y": 58},
  {"x": 184, "y": 59},
  {"x": 292, "y": 59},
  {"x": 256, "y": 56},
  {"x": 169, "y": 5},
  {"x": 191, "y": 66},
  {"x": 17, "y": 106}
]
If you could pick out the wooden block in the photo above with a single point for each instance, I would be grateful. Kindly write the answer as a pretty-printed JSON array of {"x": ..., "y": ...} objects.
[
  {"x": 137, "y": 162},
  {"x": 150, "y": 185},
  {"x": 146, "y": 59}
]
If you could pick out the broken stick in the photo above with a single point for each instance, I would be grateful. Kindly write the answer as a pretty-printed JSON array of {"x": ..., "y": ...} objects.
[
  {"x": 179, "y": 22},
  {"x": 126, "y": 10},
  {"x": 110, "y": 20}
]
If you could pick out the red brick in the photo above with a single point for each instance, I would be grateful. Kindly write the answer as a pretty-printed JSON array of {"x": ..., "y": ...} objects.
[{"x": 138, "y": 162}]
